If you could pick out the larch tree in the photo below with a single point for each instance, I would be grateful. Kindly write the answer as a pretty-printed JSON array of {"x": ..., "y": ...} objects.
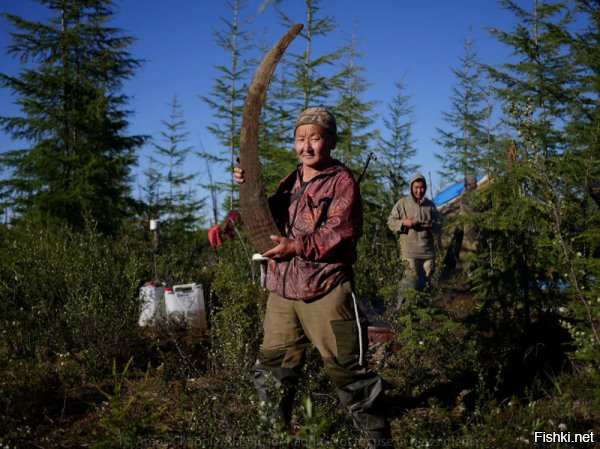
[
  {"x": 356, "y": 137},
  {"x": 312, "y": 86},
  {"x": 524, "y": 217},
  {"x": 466, "y": 139},
  {"x": 396, "y": 147},
  {"x": 576, "y": 209},
  {"x": 383, "y": 184},
  {"x": 540, "y": 70},
  {"x": 229, "y": 90},
  {"x": 74, "y": 165},
  {"x": 584, "y": 115},
  {"x": 150, "y": 191},
  {"x": 178, "y": 206},
  {"x": 353, "y": 112}
]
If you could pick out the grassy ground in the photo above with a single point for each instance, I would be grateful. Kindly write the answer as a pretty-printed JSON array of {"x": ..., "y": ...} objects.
[{"x": 185, "y": 389}]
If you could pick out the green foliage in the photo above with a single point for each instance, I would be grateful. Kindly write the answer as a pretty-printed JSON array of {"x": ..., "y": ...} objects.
[
  {"x": 510, "y": 422},
  {"x": 170, "y": 197},
  {"x": 69, "y": 305},
  {"x": 311, "y": 86},
  {"x": 535, "y": 217},
  {"x": 184, "y": 257},
  {"x": 68, "y": 292},
  {"x": 314, "y": 427},
  {"x": 515, "y": 419},
  {"x": 481, "y": 378},
  {"x": 424, "y": 338},
  {"x": 76, "y": 164},
  {"x": 467, "y": 143},
  {"x": 393, "y": 167},
  {"x": 542, "y": 71},
  {"x": 120, "y": 423},
  {"x": 236, "y": 319},
  {"x": 537, "y": 223},
  {"x": 229, "y": 90},
  {"x": 377, "y": 270},
  {"x": 353, "y": 113}
]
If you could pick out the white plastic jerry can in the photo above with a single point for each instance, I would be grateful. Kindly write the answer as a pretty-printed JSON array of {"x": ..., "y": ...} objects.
[
  {"x": 186, "y": 303},
  {"x": 153, "y": 305}
]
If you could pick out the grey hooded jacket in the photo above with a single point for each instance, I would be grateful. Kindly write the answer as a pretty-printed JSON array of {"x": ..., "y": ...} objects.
[{"x": 415, "y": 243}]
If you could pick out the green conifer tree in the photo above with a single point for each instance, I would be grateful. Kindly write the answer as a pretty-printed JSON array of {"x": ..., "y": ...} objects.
[
  {"x": 396, "y": 148},
  {"x": 466, "y": 139},
  {"x": 584, "y": 94},
  {"x": 356, "y": 137},
  {"x": 229, "y": 91},
  {"x": 151, "y": 189},
  {"x": 178, "y": 207},
  {"x": 522, "y": 217},
  {"x": 75, "y": 164},
  {"x": 540, "y": 71},
  {"x": 354, "y": 114},
  {"x": 381, "y": 187},
  {"x": 573, "y": 207},
  {"x": 312, "y": 86}
]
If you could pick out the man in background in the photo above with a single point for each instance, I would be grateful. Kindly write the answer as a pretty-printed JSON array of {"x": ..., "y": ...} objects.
[{"x": 417, "y": 222}]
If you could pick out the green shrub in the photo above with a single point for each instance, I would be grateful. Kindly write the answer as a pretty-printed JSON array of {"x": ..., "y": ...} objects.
[
  {"x": 123, "y": 423},
  {"x": 378, "y": 271},
  {"x": 66, "y": 292},
  {"x": 69, "y": 305},
  {"x": 237, "y": 309}
]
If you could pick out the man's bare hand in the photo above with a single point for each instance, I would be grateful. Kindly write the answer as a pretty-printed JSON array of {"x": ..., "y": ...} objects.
[
  {"x": 285, "y": 249},
  {"x": 408, "y": 223},
  {"x": 238, "y": 174}
]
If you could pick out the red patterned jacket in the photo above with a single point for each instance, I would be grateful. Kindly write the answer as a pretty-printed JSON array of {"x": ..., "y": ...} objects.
[{"x": 324, "y": 217}]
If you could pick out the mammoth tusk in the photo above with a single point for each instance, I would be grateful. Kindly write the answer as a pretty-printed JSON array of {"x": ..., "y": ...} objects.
[{"x": 253, "y": 201}]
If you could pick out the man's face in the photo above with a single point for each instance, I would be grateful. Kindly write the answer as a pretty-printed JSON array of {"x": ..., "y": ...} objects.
[
  {"x": 471, "y": 186},
  {"x": 312, "y": 145},
  {"x": 418, "y": 189}
]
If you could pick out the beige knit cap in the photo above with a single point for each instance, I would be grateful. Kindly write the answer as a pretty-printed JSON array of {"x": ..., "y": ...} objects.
[{"x": 317, "y": 116}]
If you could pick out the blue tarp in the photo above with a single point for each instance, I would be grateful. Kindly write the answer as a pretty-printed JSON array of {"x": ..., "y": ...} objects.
[{"x": 450, "y": 193}]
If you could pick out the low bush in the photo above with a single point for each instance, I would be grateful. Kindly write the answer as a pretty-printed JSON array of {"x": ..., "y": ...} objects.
[{"x": 69, "y": 306}]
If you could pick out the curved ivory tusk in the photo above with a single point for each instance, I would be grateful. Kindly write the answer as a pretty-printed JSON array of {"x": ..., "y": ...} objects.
[{"x": 253, "y": 201}]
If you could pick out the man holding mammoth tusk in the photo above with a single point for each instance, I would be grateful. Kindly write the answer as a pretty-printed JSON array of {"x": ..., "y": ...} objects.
[{"x": 317, "y": 209}]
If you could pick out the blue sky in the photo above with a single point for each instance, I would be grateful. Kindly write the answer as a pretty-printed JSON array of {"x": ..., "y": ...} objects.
[{"x": 419, "y": 41}]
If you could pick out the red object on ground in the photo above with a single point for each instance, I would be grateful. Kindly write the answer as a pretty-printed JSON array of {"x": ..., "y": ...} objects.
[{"x": 379, "y": 334}]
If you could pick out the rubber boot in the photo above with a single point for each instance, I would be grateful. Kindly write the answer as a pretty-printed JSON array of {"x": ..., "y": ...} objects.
[
  {"x": 366, "y": 401},
  {"x": 380, "y": 439},
  {"x": 285, "y": 381}
]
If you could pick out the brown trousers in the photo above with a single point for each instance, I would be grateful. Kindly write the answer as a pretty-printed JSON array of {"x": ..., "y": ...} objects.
[
  {"x": 418, "y": 272},
  {"x": 329, "y": 323}
]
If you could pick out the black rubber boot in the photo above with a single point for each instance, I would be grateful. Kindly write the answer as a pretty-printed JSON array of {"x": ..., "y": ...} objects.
[
  {"x": 380, "y": 439},
  {"x": 280, "y": 393},
  {"x": 366, "y": 401}
]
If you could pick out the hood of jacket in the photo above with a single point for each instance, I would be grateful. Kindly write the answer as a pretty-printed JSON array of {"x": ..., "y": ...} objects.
[{"x": 414, "y": 178}]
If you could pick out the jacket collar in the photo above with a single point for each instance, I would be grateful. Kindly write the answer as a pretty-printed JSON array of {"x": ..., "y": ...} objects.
[{"x": 335, "y": 167}]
